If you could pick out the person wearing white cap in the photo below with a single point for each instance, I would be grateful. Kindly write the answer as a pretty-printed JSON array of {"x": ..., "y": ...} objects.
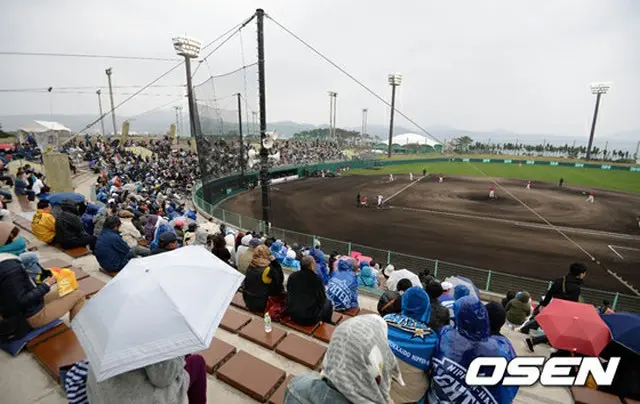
[
  {"x": 384, "y": 275},
  {"x": 244, "y": 246},
  {"x": 447, "y": 292}
]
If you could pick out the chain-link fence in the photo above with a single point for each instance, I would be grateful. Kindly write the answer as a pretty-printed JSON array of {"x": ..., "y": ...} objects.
[{"x": 487, "y": 280}]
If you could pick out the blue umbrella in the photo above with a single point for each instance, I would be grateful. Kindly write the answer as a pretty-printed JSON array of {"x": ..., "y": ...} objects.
[
  {"x": 57, "y": 198},
  {"x": 625, "y": 329}
]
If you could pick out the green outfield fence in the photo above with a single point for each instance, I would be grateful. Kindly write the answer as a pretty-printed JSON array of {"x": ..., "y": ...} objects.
[{"x": 485, "y": 279}]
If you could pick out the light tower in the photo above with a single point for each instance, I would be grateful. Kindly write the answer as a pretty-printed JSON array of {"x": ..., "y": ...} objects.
[
  {"x": 598, "y": 89},
  {"x": 394, "y": 81},
  {"x": 189, "y": 49},
  {"x": 113, "y": 112}
]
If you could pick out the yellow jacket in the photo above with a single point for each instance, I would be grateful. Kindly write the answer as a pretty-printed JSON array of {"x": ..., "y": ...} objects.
[{"x": 43, "y": 226}]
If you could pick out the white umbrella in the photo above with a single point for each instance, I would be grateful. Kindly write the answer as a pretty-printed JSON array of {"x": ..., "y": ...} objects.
[
  {"x": 461, "y": 280},
  {"x": 157, "y": 308},
  {"x": 397, "y": 276}
]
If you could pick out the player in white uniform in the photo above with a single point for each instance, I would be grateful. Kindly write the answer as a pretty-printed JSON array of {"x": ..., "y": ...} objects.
[
  {"x": 591, "y": 197},
  {"x": 528, "y": 184},
  {"x": 440, "y": 179},
  {"x": 380, "y": 198},
  {"x": 390, "y": 177},
  {"x": 410, "y": 176}
]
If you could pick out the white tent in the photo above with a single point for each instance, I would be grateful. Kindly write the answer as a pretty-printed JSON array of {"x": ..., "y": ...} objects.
[
  {"x": 413, "y": 138},
  {"x": 46, "y": 133},
  {"x": 44, "y": 126}
]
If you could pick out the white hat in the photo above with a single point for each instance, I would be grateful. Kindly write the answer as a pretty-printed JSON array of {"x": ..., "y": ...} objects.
[
  {"x": 246, "y": 240},
  {"x": 447, "y": 286},
  {"x": 389, "y": 269},
  {"x": 291, "y": 254}
]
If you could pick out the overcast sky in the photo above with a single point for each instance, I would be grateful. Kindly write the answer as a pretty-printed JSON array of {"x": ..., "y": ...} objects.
[{"x": 521, "y": 66}]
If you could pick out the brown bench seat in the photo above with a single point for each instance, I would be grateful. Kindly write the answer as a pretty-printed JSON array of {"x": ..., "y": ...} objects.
[
  {"x": 218, "y": 353},
  {"x": 75, "y": 252},
  {"x": 60, "y": 350},
  {"x": 233, "y": 321},
  {"x": 110, "y": 274},
  {"x": 278, "y": 396},
  {"x": 324, "y": 332},
  {"x": 305, "y": 329},
  {"x": 59, "y": 329},
  {"x": 336, "y": 318},
  {"x": 585, "y": 395},
  {"x": 301, "y": 350},
  {"x": 254, "y": 332},
  {"x": 252, "y": 376},
  {"x": 238, "y": 301},
  {"x": 90, "y": 286},
  {"x": 55, "y": 263},
  {"x": 79, "y": 273},
  {"x": 351, "y": 312}
]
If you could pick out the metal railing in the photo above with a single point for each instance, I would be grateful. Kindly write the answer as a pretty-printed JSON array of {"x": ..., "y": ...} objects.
[{"x": 487, "y": 280}]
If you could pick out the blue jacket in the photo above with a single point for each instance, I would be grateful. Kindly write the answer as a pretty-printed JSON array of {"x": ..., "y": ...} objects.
[
  {"x": 276, "y": 251},
  {"x": 366, "y": 278},
  {"x": 321, "y": 266},
  {"x": 161, "y": 229},
  {"x": 291, "y": 263},
  {"x": 87, "y": 217},
  {"x": 343, "y": 287},
  {"x": 112, "y": 252},
  {"x": 16, "y": 247},
  {"x": 458, "y": 346},
  {"x": 410, "y": 338},
  {"x": 20, "y": 186}
]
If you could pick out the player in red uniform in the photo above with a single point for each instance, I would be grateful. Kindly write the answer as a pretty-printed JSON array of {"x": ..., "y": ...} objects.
[{"x": 492, "y": 192}]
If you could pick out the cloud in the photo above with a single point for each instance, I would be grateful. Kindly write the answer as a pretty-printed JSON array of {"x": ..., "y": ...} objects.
[{"x": 522, "y": 66}]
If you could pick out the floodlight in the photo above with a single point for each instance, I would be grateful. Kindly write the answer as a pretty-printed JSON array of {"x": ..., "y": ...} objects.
[
  {"x": 395, "y": 79},
  {"x": 187, "y": 47},
  {"x": 600, "y": 88}
]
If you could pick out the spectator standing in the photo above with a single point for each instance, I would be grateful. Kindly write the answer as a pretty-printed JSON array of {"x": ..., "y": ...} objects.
[
  {"x": 43, "y": 224},
  {"x": 69, "y": 229},
  {"x": 343, "y": 286},
  {"x": 413, "y": 354},
  {"x": 264, "y": 278},
  {"x": 458, "y": 346},
  {"x": 519, "y": 309},
  {"x": 358, "y": 367},
  {"x": 307, "y": 301},
  {"x": 439, "y": 314}
]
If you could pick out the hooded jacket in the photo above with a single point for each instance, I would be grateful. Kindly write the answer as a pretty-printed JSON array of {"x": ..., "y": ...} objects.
[
  {"x": 150, "y": 228},
  {"x": 276, "y": 251},
  {"x": 43, "y": 226},
  {"x": 366, "y": 277},
  {"x": 291, "y": 262},
  {"x": 305, "y": 297},
  {"x": 68, "y": 224},
  {"x": 321, "y": 265},
  {"x": 343, "y": 286},
  {"x": 112, "y": 252},
  {"x": 413, "y": 343},
  {"x": 518, "y": 309},
  {"x": 87, "y": 217},
  {"x": 458, "y": 346},
  {"x": 19, "y": 296},
  {"x": 260, "y": 283}
]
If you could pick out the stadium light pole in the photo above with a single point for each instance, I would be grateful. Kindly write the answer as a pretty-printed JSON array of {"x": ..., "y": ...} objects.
[
  {"x": 394, "y": 81},
  {"x": 189, "y": 48},
  {"x": 598, "y": 89},
  {"x": 100, "y": 108},
  {"x": 262, "y": 95},
  {"x": 109, "y": 71},
  {"x": 332, "y": 113},
  {"x": 364, "y": 122},
  {"x": 240, "y": 134}
]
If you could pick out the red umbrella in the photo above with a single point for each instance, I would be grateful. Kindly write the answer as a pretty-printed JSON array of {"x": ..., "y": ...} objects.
[{"x": 575, "y": 327}]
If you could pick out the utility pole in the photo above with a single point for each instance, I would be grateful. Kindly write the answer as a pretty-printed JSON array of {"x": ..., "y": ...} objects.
[
  {"x": 100, "y": 107},
  {"x": 262, "y": 94},
  {"x": 113, "y": 112},
  {"x": 332, "y": 113},
  {"x": 241, "y": 139},
  {"x": 598, "y": 90},
  {"x": 637, "y": 150},
  {"x": 364, "y": 122},
  {"x": 394, "y": 81}
]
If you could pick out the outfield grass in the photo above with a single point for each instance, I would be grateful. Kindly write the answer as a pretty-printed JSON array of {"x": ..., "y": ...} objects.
[{"x": 589, "y": 177}]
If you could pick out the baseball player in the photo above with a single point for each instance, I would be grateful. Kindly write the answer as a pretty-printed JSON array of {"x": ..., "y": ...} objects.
[
  {"x": 440, "y": 178},
  {"x": 390, "y": 177},
  {"x": 591, "y": 197},
  {"x": 380, "y": 198},
  {"x": 492, "y": 192},
  {"x": 528, "y": 184},
  {"x": 424, "y": 172},
  {"x": 410, "y": 176}
]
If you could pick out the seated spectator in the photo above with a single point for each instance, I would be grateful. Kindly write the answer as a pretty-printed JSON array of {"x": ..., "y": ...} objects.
[
  {"x": 497, "y": 317},
  {"x": 179, "y": 229},
  {"x": 264, "y": 278},
  {"x": 439, "y": 314},
  {"x": 247, "y": 256},
  {"x": 21, "y": 300},
  {"x": 518, "y": 309},
  {"x": 358, "y": 367},
  {"x": 150, "y": 228},
  {"x": 160, "y": 230},
  {"x": 167, "y": 241},
  {"x": 458, "y": 292},
  {"x": 112, "y": 252},
  {"x": 200, "y": 237},
  {"x": 413, "y": 354},
  {"x": 307, "y": 301},
  {"x": 244, "y": 246},
  {"x": 10, "y": 241},
  {"x": 458, "y": 346},
  {"x": 278, "y": 251},
  {"x": 321, "y": 265},
  {"x": 383, "y": 276},
  {"x": 605, "y": 308},
  {"x": 366, "y": 276},
  {"x": 88, "y": 216},
  {"x": 343, "y": 286},
  {"x": 131, "y": 235},
  {"x": 170, "y": 381},
  {"x": 20, "y": 184},
  {"x": 190, "y": 234},
  {"x": 391, "y": 301},
  {"x": 101, "y": 216},
  {"x": 220, "y": 248},
  {"x": 510, "y": 295},
  {"x": 291, "y": 262},
  {"x": 69, "y": 229},
  {"x": 447, "y": 292}
]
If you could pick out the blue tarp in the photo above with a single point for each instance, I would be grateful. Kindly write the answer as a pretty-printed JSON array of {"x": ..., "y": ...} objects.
[{"x": 57, "y": 198}]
